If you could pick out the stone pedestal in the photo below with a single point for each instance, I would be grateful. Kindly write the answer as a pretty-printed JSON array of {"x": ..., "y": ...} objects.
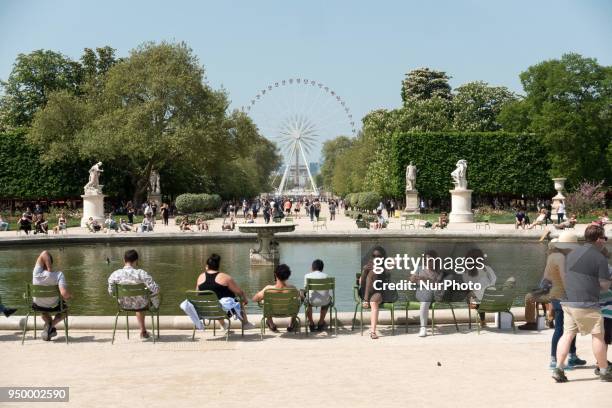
[
  {"x": 93, "y": 206},
  {"x": 155, "y": 198},
  {"x": 461, "y": 206},
  {"x": 556, "y": 200},
  {"x": 412, "y": 202}
]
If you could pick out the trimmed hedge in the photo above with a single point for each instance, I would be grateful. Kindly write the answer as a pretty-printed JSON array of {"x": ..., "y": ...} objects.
[
  {"x": 499, "y": 163},
  {"x": 365, "y": 200},
  {"x": 194, "y": 203}
]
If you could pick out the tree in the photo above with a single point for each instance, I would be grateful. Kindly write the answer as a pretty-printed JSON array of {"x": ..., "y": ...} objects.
[
  {"x": 34, "y": 77},
  {"x": 568, "y": 104},
  {"x": 476, "y": 106},
  {"x": 424, "y": 83},
  {"x": 330, "y": 152},
  {"x": 152, "y": 110}
]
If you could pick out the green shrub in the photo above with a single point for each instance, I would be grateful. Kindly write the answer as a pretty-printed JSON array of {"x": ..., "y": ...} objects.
[
  {"x": 368, "y": 200},
  {"x": 193, "y": 203}
]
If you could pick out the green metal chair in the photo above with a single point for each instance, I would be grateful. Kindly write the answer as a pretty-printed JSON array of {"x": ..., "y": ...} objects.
[
  {"x": 496, "y": 299},
  {"x": 206, "y": 304},
  {"x": 390, "y": 306},
  {"x": 451, "y": 299},
  {"x": 322, "y": 284},
  {"x": 407, "y": 222},
  {"x": 289, "y": 220},
  {"x": 132, "y": 290},
  {"x": 319, "y": 223},
  {"x": 279, "y": 302},
  {"x": 362, "y": 224},
  {"x": 41, "y": 291}
]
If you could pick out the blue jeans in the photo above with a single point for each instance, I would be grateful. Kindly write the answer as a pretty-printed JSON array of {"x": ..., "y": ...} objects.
[
  {"x": 4, "y": 226},
  {"x": 559, "y": 330}
]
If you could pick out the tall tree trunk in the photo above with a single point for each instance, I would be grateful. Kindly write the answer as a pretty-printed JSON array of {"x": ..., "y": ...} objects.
[{"x": 142, "y": 186}]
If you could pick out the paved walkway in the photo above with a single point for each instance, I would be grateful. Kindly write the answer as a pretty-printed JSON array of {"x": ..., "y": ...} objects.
[
  {"x": 342, "y": 224},
  {"x": 494, "y": 369}
]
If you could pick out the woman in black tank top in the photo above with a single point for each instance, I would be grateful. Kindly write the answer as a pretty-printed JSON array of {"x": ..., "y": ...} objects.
[
  {"x": 228, "y": 288},
  {"x": 211, "y": 284}
]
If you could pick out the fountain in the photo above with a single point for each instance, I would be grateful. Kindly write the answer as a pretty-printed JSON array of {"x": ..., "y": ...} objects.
[{"x": 267, "y": 253}]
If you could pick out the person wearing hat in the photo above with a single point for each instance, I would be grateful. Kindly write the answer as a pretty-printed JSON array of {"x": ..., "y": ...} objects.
[{"x": 586, "y": 273}]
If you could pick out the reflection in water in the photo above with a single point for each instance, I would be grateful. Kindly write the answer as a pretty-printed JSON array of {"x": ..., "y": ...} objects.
[{"x": 175, "y": 266}]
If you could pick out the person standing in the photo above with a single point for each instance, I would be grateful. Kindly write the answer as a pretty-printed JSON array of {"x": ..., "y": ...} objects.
[
  {"x": 317, "y": 209},
  {"x": 332, "y": 210},
  {"x": 130, "y": 212},
  {"x": 165, "y": 213},
  {"x": 586, "y": 274},
  {"x": 560, "y": 212}
]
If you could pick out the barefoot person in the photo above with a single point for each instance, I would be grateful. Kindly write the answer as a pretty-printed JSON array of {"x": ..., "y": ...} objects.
[
  {"x": 44, "y": 275},
  {"x": 129, "y": 275}
]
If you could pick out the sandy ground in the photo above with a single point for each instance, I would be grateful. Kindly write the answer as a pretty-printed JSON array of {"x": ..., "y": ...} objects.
[
  {"x": 495, "y": 369},
  {"x": 340, "y": 224}
]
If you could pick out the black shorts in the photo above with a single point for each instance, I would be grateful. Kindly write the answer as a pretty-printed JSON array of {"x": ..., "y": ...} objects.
[
  {"x": 607, "y": 330},
  {"x": 61, "y": 305}
]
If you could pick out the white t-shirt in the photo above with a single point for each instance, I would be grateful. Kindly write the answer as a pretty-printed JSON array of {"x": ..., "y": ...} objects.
[
  {"x": 317, "y": 297},
  {"x": 486, "y": 277},
  {"x": 46, "y": 278},
  {"x": 561, "y": 208}
]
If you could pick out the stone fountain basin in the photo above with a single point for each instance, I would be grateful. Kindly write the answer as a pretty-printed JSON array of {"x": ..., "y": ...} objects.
[{"x": 265, "y": 228}]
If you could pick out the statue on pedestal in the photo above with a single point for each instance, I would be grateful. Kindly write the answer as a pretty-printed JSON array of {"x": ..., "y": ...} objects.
[
  {"x": 459, "y": 175},
  {"x": 411, "y": 177},
  {"x": 93, "y": 185},
  {"x": 154, "y": 187}
]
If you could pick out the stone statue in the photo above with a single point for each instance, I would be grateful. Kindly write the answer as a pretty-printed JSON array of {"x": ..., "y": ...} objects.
[
  {"x": 154, "y": 187},
  {"x": 93, "y": 185},
  {"x": 459, "y": 175},
  {"x": 411, "y": 177}
]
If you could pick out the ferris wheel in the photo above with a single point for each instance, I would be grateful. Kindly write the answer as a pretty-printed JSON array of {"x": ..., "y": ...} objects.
[{"x": 299, "y": 115}]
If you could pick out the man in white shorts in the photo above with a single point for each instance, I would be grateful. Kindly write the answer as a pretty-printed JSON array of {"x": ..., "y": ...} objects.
[{"x": 317, "y": 298}]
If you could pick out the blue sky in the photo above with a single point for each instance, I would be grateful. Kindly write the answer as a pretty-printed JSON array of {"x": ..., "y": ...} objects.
[{"x": 362, "y": 49}]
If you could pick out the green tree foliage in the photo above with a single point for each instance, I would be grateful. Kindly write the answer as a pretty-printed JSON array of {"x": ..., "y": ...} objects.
[
  {"x": 331, "y": 150},
  {"x": 568, "y": 104},
  {"x": 425, "y": 83},
  {"x": 34, "y": 77},
  {"x": 192, "y": 203},
  {"x": 499, "y": 163},
  {"x": 476, "y": 106},
  {"x": 22, "y": 175},
  {"x": 153, "y": 110}
]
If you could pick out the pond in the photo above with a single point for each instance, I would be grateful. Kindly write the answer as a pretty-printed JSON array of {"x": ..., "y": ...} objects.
[{"x": 175, "y": 266}]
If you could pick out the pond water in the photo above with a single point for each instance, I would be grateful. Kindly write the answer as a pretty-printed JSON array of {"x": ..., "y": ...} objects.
[{"x": 175, "y": 266}]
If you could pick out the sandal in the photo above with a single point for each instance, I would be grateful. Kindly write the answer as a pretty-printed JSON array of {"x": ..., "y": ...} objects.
[
  {"x": 271, "y": 325},
  {"x": 373, "y": 335}
]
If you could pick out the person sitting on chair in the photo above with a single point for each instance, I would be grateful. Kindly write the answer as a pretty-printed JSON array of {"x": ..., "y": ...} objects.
[
  {"x": 317, "y": 298},
  {"x": 124, "y": 226},
  {"x": 569, "y": 223},
  {"x": 484, "y": 276},
  {"x": 539, "y": 220},
  {"x": 519, "y": 219},
  {"x": 24, "y": 224},
  {"x": 185, "y": 224},
  {"x": 111, "y": 224},
  {"x": 370, "y": 293},
  {"x": 147, "y": 224},
  {"x": 41, "y": 225},
  {"x": 281, "y": 276},
  {"x": 3, "y": 224},
  {"x": 442, "y": 222},
  {"x": 223, "y": 285},
  {"x": 93, "y": 225},
  {"x": 44, "y": 275},
  {"x": 129, "y": 275}
]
